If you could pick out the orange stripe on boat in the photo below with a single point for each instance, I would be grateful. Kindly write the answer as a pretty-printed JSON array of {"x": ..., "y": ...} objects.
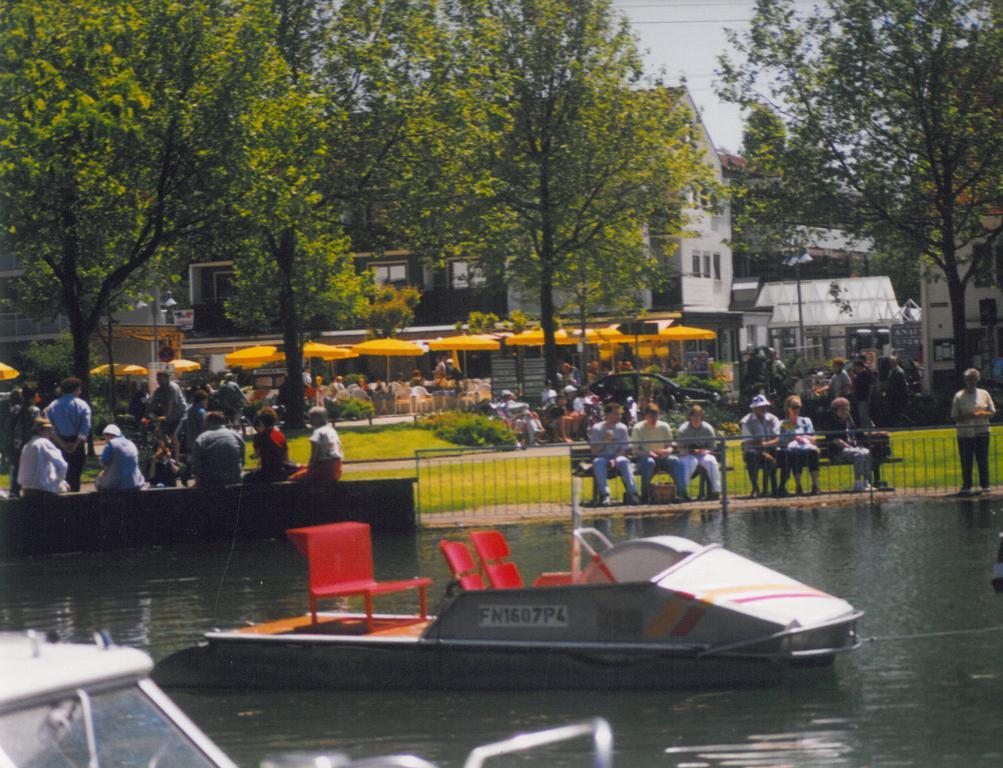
[
  {"x": 780, "y": 595},
  {"x": 665, "y": 619},
  {"x": 712, "y": 593},
  {"x": 690, "y": 620}
]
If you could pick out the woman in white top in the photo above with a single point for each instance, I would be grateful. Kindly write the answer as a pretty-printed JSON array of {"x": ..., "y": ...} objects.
[{"x": 325, "y": 451}]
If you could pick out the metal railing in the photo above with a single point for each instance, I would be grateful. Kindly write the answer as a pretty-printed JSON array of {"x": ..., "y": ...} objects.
[{"x": 454, "y": 484}]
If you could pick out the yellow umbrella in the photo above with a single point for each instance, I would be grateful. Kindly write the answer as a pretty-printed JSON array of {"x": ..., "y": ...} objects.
[
  {"x": 7, "y": 373},
  {"x": 477, "y": 342},
  {"x": 327, "y": 351},
  {"x": 534, "y": 338},
  {"x": 121, "y": 369},
  {"x": 252, "y": 357},
  {"x": 183, "y": 366},
  {"x": 389, "y": 348},
  {"x": 686, "y": 333}
]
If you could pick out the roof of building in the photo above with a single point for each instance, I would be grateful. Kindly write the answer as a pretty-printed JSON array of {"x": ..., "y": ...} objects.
[{"x": 843, "y": 301}]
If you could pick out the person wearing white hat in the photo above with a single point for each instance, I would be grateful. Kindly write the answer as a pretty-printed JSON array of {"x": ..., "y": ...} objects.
[
  {"x": 761, "y": 433},
  {"x": 119, "y": 463}
]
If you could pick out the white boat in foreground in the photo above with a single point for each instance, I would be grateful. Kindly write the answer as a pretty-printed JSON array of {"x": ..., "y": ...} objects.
[
  {"x": 658, "y": 612},
  {"x": 93, "y": 705}
]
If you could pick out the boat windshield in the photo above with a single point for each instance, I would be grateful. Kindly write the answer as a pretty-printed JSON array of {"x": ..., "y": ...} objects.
[{"x": 119, "y": 727}]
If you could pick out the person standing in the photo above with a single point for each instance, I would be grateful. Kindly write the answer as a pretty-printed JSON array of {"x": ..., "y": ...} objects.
[
  {"x": 610, "y": 443},
  {"x": 168, "y": 403},
  {"x": 863, "y": 388},
  {"x": 70, "y": 418},
  {"x": 840, "y": 384},
  {"x": 218, "y": 454},
  {"x": 43, "y": 466},
  {"x": 326, "y": 455},
  {"x": 971, "y": 410},
  {"x": 120, "y": 463},
  {"x": 22, "y": 419},
  {"x": 896, "y": 394},
  {"x": 652, "y": 440}
]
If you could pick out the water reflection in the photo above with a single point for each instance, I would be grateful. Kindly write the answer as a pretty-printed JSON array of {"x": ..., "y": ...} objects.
[{"x": 916, "y": 696}]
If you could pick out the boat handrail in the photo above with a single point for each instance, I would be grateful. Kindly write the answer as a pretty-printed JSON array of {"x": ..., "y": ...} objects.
[
  {"x": 789, "y": 632},
  {"x": 579, "y": 533},
  {"x": 685, "y": 561},
  {"x": 598, "y": 728}
]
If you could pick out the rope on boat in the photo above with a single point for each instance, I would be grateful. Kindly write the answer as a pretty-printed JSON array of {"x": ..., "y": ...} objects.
[{"x": 942, "y": 633}]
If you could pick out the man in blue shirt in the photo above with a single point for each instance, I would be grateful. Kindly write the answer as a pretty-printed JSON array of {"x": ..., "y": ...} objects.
[
  {"x": 610, "y": 443},
  {"x": 120, "y": 463},
  {"x": 71, "y": 419}
]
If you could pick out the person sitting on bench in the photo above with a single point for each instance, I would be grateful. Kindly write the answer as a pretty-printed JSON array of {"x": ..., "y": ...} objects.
[
  {"x": 653, "y": 449},
  {"x": 761, "y": 433},
  {"x": 696, "y": 441},
  {"x": 799, "y": 449},
  {"x": 610, "y": 443}
]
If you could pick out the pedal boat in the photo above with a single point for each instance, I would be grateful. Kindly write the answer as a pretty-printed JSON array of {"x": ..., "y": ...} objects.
[{"x": 658, "y": 612}]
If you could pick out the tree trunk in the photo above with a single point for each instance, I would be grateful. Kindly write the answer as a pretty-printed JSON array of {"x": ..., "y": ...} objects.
[
  {"x": 285, "y": 258},
  {"x": 956, "y": 292},
  {"x": 547, "y": 324}
]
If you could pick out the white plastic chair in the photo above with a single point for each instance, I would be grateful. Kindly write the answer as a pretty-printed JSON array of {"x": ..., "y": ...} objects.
[
  {"x": 421, "y": 399},
  {"x": 402, "y": 396}
]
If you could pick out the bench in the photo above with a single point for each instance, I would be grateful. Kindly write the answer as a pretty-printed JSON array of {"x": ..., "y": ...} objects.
[{"x": 580, "y": 455}]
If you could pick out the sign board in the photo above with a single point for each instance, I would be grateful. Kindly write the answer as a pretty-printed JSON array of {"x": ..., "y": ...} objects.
[
  {"x": 184, "y": 319},
  {"x": 638, "y": 328},
  {"x": 504, "y": 375},
  {"x": 697, "y": 362},
  {"x": 907, "y": 338}
]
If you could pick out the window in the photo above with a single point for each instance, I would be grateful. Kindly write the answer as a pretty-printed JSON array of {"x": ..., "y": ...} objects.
[
  {"x": 696, "y": 264},
  {"x": 717, "y": 266},
  {"x": 982, "y": 264},
  {"x": 706, "y": 264},
  {"x": 222, "y": 285},
  {"x": 752, "y": 332},
  {"x": 389, "y": 274},
  {"x": 465, "y": 274},
  {"x": 943, "y": 350}
]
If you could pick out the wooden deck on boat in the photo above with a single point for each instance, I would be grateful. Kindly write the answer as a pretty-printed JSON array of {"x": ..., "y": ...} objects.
[{"x": 349, "y": 625}]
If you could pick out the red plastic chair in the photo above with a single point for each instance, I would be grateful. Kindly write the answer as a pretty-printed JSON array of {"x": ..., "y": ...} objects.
[
  {"x": 461, "y": 564},
  {"x": 340, "y": 561},
  {"x": 492, "y": 550}
]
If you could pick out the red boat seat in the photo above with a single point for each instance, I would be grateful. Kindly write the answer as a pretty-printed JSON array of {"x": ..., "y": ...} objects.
[
  {"x": 340, "y": 563},
  {"x": 493, "y": 552},
  {"x": 461, "y": 564}
]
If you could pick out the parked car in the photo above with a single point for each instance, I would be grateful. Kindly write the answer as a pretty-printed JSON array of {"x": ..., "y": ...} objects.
[{"x": 644, "y": 387}]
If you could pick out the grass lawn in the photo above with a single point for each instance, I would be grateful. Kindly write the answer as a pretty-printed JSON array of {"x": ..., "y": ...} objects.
[{"x": 929, "y": 462}]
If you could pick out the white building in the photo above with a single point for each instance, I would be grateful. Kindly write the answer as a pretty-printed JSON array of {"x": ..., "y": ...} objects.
[
  {"x": 983, "y": 320},
  {"x": 840, "y": 317}
]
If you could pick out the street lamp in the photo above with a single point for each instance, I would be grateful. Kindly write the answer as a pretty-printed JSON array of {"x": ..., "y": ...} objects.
[
  {"x": 796, "y": 262},
  {"x": 158, "y": 306}
]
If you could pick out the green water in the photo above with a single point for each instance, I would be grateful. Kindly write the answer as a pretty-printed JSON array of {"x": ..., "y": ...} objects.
[{"x": 916, "y": 696}]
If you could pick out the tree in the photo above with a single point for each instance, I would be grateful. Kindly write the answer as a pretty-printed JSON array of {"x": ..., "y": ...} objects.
[
  {"x": 894, "y": 104},
  {"x": 562, "y": 152},
  {"x": 391, "y": 310},
  {"x": 116, "y": 136},
  {"x": 346, "y": 87}
]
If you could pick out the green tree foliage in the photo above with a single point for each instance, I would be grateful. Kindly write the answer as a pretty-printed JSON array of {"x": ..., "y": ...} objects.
[
  {"x": 479, "y": 322},
  {"x": 346, "y": 87},
  {"x": 894, "y": 104},
  {"x": 116, "y": 140},
  {"x": 391, "y": 310},
  {"x": 557, "y": 152}
]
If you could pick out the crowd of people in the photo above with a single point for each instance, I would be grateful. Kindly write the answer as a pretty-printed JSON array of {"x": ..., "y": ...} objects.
[
  {"x": 775, "y": 448},
  {"x": 45, "y": 449}
]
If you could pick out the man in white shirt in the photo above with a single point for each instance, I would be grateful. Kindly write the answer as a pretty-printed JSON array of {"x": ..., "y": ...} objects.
[
  {"x": 42, "y": 470},
  {"x": 652, "y": 439}
]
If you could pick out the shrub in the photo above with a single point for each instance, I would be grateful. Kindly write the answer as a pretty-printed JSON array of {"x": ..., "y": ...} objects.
[
  {"x": 349, "y": 410},
  {"x": 468, "y": 429},
  {"x": 699, "y": 382}
]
